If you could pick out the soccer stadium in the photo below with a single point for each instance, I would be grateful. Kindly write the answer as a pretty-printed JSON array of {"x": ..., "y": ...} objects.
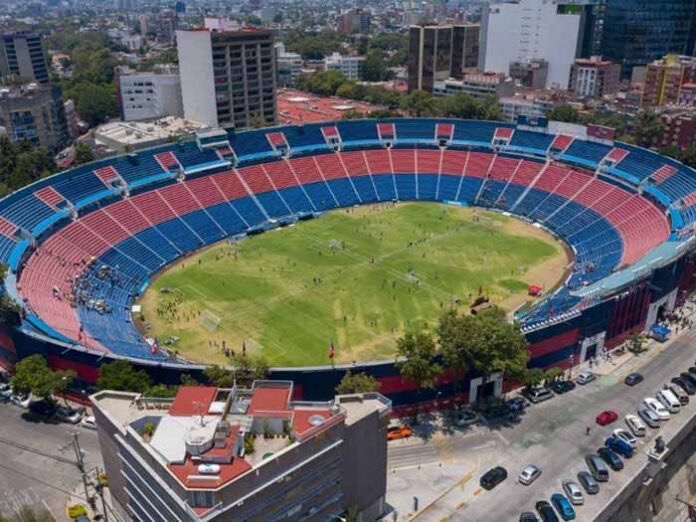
[{"x": 316, "y": 245}]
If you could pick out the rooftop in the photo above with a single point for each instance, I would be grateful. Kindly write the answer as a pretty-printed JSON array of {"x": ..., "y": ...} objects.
[
  {"x": 136, "y": 133},
  {"x": 303, "y": 107}
]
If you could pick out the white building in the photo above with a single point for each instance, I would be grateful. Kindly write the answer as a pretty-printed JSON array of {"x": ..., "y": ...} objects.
[
  {"x": 288, "y": 66},
  {"x": 350, "y": 66},
  {"x": 514, "y": 106},
  {"x": 532, "y": 29},
  {"x": 150, "y": 95}
]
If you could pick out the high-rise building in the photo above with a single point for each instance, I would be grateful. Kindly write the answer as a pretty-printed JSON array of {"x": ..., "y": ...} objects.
[
  {"x": 228, "y": 78},
  {"x": 22, "y": 57},
  {"x": 35, "y": 113},
  {"x": 288, "y": 66},
  {"x": 349, "y": 66},
  {"x": 594, "y": 77},
  {"x": 665, "y": 79},
  {"x": 636, "y": 33},
  {"x": 167, "y": 24},
  {"x": 355, "y": 21},
  {"x": 438, "y": 52},
  {"x": 236, "y": 454},
  {"x": 150, "y": 95},
  {"x": 517, "y": 31}
]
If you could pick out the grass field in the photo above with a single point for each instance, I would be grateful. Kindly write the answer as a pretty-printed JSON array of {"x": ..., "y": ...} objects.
[{"x": 358, "y": 277}]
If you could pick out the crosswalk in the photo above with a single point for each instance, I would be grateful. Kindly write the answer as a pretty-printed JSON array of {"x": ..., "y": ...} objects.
[{"x": 411, "y": 455}]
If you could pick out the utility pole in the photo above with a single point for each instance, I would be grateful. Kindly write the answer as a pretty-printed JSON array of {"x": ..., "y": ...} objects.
[{"x": 80, "y": 456}]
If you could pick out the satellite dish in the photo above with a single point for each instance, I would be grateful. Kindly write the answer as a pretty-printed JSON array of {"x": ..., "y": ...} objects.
[{"x": 317, "y": 420}]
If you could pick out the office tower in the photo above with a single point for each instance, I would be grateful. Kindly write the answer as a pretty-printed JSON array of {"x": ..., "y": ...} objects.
[
  {"x": 228, "y": 77},
  {"x": 551, "y": 30},
  {"x": 22, "y": 57},
  {"x": 438, "y": 52}
]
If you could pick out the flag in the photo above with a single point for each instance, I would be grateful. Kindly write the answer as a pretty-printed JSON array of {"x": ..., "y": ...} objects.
[{"x": 332, "y": 350}]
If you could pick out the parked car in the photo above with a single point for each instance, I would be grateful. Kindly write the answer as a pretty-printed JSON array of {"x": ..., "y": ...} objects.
[
  {"x": 561, "y": 387},
  {"x": 585, "y": 377},
  {"x": 611, "y": 458},
  {"x": 22, "y": 400},
  {"x": 5, "y": 392},
  {"x": 649, "y": 416},
  {"x": 528, "y": 516},
  {"x": 573, "y": 492},
  {"x": 588, "y": 482},
  {"x": 538, "y": 395},
  {"x": 545, "y": 511},
  {"x": 685, "y": 385},
  {"x": 669, "y": 401},
  {"x": 399, "y": 432},
  {"x": 529, "y": 474},
  {"x": 42, "y": 408},
  {"x": 597, "y": 467},
  {"x": 89, "y": 422},
  {"x": 657, "y": 407},
  {"x": 563, "y": 506},
  {"x": 679, "y": 392},
  {"x": 619, "y": 446},
  {"x": 70, "y": 415},
  {"x": 209, "y": 469},
  {"x": 606, "y": 417},
  {"x": 633, "y": 378},
  {"x": 636, "y": 425},
  {"x": 688, "y": 377},
  {"x": 493, "y": 477},
  {"x": 465, "y": 417},
  {"x": 626, "y": 436}
]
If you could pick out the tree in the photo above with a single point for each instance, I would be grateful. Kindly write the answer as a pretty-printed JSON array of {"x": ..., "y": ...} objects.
[
  {"x": 95, "y": 103},
  {"x": 636, "y": 343},
  {"x": 352, "y": 114},
  {"x": 688, "y": 156},
  {"x": 419, "y": 103},
  {"x": 161, "y": 391},
  {"x": 33, "y": 376},
  {"x": 83, "y": 154},
  {"x": 532, "y": 377},
  {"x": 484, "y": 343},
  {"x": 325, "y": 83},
  {"x": 647, "y": 128},
  {"x": 564, "y": 113},
  {"x": 416, "y": 359},
  {"x": 357, "y": 383},
  {"x": 374, "y": 68},
  {"x": 219, "y": 376},
  {"x": 249, "y": 368},
  {"x": 120, "y": 375},
  {"x": 553, "y": 374},
  {"x": 459, "y": 105}
]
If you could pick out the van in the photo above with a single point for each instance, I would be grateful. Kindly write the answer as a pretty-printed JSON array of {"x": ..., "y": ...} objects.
[
  {"x": 669, "y": 400},
  {"x": 597, "y": 467}
]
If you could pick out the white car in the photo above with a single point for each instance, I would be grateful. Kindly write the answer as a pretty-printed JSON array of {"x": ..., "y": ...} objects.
[
  {"x": 573, "y": 492},
  {"x": 69, "y": 415},
  {"x": 465, "y": 417},
  {"x": 585, "y": 377},
  {"x": 529, "y": 474},
  {"x": 23, "y": 401},
  {"x": 89, "y": 422},
  {"x": 5, "y": 391},
  {"x": 625, "y": 436},
  {"x": 209, "y": 469},
  {"x": 636, "y": 425},
  {"x": 669, "y": 401},
  {"x": 657, "y": 407}
]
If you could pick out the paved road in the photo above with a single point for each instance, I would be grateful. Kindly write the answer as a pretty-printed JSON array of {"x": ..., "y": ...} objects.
[
  {"x": 33, "y": 469},
  {"x": 552, "y": 435}
]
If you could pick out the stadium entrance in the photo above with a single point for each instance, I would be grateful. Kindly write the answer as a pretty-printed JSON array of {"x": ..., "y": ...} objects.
[{"x": 479, "y": 390}]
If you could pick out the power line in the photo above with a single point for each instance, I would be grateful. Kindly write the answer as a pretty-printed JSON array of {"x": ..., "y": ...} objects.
[{"x": 36, "y": 451}]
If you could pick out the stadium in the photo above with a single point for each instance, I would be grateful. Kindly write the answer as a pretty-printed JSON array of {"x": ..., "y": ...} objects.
[{"x": 90, "y": 251}]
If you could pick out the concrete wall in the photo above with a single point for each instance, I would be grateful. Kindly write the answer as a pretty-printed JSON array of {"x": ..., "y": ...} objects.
[{"x": 196, "y": 71}]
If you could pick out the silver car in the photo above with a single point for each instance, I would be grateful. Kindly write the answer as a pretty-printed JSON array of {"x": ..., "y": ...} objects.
[
  {"x": 649, "y": 416},
  {"x": 573, "y": 492},
  {"x": 529, "y": 474},
  {"x": 585, "y": 377}
]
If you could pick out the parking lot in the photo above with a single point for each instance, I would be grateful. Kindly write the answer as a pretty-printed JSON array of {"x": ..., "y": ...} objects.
[
  {"x": 552, "y": 435},
  {"x": 37, "y": 466}
]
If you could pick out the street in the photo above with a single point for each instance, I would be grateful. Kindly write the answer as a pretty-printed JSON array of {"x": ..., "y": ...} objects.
[{"x": 34, "y": 469}]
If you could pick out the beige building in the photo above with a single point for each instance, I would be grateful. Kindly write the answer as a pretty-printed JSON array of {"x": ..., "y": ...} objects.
[{"x": 665, "y": 79}]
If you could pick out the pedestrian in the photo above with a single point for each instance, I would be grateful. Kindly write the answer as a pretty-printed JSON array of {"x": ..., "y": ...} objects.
[{"x": 587, "y": 430}]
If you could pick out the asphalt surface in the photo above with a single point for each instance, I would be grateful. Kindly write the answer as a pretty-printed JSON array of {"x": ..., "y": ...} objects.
[
  {"x": 552, "y": 435},
  {"x": 34, "y": 469}
]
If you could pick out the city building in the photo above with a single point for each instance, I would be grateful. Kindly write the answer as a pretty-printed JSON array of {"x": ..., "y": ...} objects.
[
  {"x": 636, "y": 33},
  {"x": 167, "y": 22},
  {"x": 665, "y": 79},
  {"x": 518, "y": 31},
  {"x": 530, "y": 73},
  {"x": 532, "y": 107},
  {"x": 22, "y": 57},
  {"x": 243, "y": 454},
  {"x": 355, "y": 21},
  {"x": 477, "y": 85},
  {"x": 126, "y": 5},
  {"x": 439, "y": 52},
  {"x": 126, "y": 136},
  {"x": 288, "y": 66},
  {"x": 149, "y": 95},
  {"x": 679, "y": 129},
  {"x": 350, "y": 66},
  {"x": 35, "y": 113},
  {"x": 594, "y": 77},
  {"x": 228, "y": 78},
  {"x": 297, "y": 107}
]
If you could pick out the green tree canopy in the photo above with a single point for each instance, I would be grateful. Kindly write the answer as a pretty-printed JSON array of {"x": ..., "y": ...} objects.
[
  {"x": 325, "y": 83},
  {"x": 120, "y": 375},
  {"x": 564, "y": 113},
  {"x": 32, "y": 375},
  {"x": 83, "y": 154},
  {"x": 419, "y": 103},
  {"x": 647, "y": 128},
  {"x": 374, "y": 67},
  {"x": 417, "y": 358},
  {"x": 357, "y": 383},
  {"x": 219, "y": 376}
]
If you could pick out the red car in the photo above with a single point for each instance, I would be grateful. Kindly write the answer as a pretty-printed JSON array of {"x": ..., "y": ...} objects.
[{"x": 606, "y": 417}]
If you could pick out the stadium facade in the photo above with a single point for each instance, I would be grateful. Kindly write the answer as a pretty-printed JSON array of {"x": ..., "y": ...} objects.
[{"x": 83, "y": 244}]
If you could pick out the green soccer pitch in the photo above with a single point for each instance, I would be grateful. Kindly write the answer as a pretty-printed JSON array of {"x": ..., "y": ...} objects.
[{"x": 357, "y": 278}]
